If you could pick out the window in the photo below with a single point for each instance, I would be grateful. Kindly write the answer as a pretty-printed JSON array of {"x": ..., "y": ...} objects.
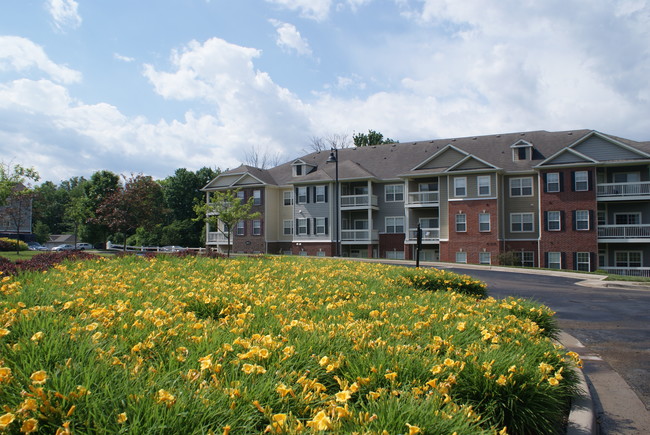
[
  {"x": 395, "y": 224},
  {"x": 602, "y": 217},
  {"x": 257, "y": 197},
  {"x": 553, "y": 221},
  {"x": 301, "y": 195},
  {"x": 394, "y": 192},
  {"x": 461, "y": 257},
  {"x": 241, "y": 196},
  {"x": 287, "y": 227},
  {"x": 428, "y": 187},
  {"x": 525, "y": 258},
  {"x": 297, "y": 170},
  {"x": 583, "y": 261},
  {"x": 320, "y": 225},
  {"x": 521, "y": 222},
  {"x": 241, "y": 228},
  {"x": 521, "y": 186},
  {"x": 554, "y": 260},
  {"x": 429, "y": 223},
  {"x": 626, "y": 177},
  {"x": 483, "y": 185},
  {"x": 460, "y": 186},
  {"x": 321, "y": 194},
  {"x": 553, "y": 182},
  {"x": 257, "y": 227},
  {"x": 628, "y": 259},
  {"x": 303, "y": 226},
  {"x": 581, "y": 220},
  {"x": 581, "y": 181},
  {"x": 484, "y": 258},
  {"x": 288, "y": 197},
  {"x": 484, "y": 222},
  {"x": 461, "y": 222},
  {"x": 395, "y": 255},
  {"x": 627, "y": 218}
]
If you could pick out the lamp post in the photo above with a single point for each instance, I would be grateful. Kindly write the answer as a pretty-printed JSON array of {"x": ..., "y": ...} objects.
[{"x": 334, "y": 158}]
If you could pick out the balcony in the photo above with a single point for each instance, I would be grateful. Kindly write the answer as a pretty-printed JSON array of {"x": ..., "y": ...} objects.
[
  {"x": 624, "y": 232},
  {"x": 429, "y": 235},
  {"x": 358, "y": 201},
  {"x": 622, "y": 191},
  {"x": 423, "y": 199},
  {"x": 359, "y": 236},
  {"x": 218, "y": 238}
]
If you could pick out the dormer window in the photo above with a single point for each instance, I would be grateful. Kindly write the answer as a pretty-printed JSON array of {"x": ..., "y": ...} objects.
[
  {"x": 297, "y": 170},
  {"x": 522, "y": 150}
]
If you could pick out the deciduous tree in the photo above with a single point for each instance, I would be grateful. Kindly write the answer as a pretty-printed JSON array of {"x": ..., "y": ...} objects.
[{"x": 16, "y": 196}]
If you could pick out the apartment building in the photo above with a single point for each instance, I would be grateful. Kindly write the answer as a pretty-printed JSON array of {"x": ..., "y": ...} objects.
[{"x": 577, "y": 200}]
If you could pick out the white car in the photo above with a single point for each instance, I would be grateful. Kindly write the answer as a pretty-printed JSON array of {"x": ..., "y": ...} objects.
[
  {"x": 84, "y": 246},
  {"x": 65, "y": 247}
]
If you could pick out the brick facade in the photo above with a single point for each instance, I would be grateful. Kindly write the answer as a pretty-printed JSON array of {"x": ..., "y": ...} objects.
[{"x": 471, "y": 241}]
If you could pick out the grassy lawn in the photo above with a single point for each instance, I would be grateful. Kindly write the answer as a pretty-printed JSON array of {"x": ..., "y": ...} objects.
[
  {"x": 23, "y": 255},
  {"x": 276, "y": 344}
]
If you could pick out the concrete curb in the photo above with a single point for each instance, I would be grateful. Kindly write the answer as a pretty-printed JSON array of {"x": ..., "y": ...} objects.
[{"x": 582, "y": 417}]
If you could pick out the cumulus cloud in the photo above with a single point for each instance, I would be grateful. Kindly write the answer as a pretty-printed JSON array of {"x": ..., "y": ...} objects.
[
  {"x": 21, "y": 55},
  {"x": 313, "y": 9},
  {"x": 64, "y": 13},
  {"x": 123, "y": 58},
  {"x": 289, "y": 38}
]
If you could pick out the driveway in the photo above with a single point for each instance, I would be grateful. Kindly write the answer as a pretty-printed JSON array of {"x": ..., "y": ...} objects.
[{"x": 613, "y": 323}]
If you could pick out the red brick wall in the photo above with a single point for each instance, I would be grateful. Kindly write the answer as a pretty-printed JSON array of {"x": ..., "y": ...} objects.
[
  {"x": 312, "y": 248},
  {"x": 472, "y": 241},
  {"x": 391, "y": 242},
  {"x": 569, "y": 240},
  {"x": 248, "y": 243}
]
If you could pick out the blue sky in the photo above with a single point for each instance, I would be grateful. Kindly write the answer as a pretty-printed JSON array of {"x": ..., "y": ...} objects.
[{"x": 150, "y": 86}]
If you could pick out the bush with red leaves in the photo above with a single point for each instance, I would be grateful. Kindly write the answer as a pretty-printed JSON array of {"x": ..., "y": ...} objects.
[{"x": 42, "y": 262}]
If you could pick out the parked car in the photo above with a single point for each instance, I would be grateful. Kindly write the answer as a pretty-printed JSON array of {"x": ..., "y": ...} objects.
[
  {"x": 35, "y": 246},
  {"x": 64, "y": 247},
  {"x": 173, "y": 249},
  {"x": 84, "y": 246}
]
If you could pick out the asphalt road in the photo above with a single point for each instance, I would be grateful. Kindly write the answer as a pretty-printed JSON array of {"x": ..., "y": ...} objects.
[{"x": 613, "y": 323}]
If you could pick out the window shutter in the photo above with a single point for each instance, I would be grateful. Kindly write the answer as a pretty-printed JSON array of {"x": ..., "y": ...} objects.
[
  {"x": 308, "y": 226},
  {"x": 592, "y": 261},
  {"x": 545, "y": 215},
  {"x": 314, "y": 221},
  {"x": 261, "y": 227},
  {"x": 546, "y": 259},
  {"x": 326, "y": 219},
  {"x": 573, "y": 214},
  {"x": 563, "y": 260},
  {"x": 307, "y": 189},
  {"x": 313, "y": 189},
  {"x": 297, "y": 229},
  {"x": 561, "y": 177},
  {"x": 573, "y": 181},
  {"x": 544, "y": 179},
  {"x": 591, "y": 220},
  {"x": 296, "y": 197},
  {"x": 590, "y": 184},
  {"x": 575, "y": 261},
  {"x": 326, "y": 189},
  {"x": 562, "y": 226}
]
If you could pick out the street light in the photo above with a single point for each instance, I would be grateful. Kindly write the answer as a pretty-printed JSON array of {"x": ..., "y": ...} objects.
[{"x": 334, "y": 158}]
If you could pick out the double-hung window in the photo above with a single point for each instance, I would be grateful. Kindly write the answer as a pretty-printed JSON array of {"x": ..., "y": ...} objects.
[
  {"x": 460, "y": 186},
  {"x": 288, "y": 197},
  {"x": 583, "y": 261},
  {"x": 257, "y": 197},
  {"x": 320, "y": 225},
  {"x": 484, "y": 258},
  {"x": 581, "y": 181},
  {"x": 303, "y": 226},
  {"x": 521, "y": 186},
  {"x": 554, "y": 221},
  {"x": 257, "y": 227},
  {"x": 483, "y": 185},
  {"x": 461, "y": 222},
  {"x": 394, "y": 192},
  {"x": 461, "y": 257},
  {"x": 287, "y": 227},
  {"x": 484, "y": 222},
  {"x": 241, "y": 228},
  {"x": 553, "y": 182},
  {"x": 302, "y": 195},
  {"x": 521, "y": 222},
  {"x": 554, "y": 260},
  {"x": 395, "y": 224},
  {"x": 321, "y": 195},
  {"x": 581, "y": 220}
]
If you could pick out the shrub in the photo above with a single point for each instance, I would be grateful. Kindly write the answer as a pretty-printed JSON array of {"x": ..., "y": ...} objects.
[
  {"x": 440, "y": 280},
  {"x": 509, "y": 258},
  {"x": 8, "y": 245}
]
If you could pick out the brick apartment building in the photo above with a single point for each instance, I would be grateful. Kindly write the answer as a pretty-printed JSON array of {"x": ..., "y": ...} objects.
[{"x": 577, "y": 200}]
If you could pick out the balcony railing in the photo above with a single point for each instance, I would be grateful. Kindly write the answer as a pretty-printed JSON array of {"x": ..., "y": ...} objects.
[
  {"x": 423, "y": 198},
  {"x": 619, "y": 190},
  {"x": 359, "y": 235},
  {"x": 428, "y": 234},
  {"x": 218, "y": 237},
  {"x": 348, "y": 201},
  {"x": 628, "y": 271},
  {"x": 624, "y": 231}
]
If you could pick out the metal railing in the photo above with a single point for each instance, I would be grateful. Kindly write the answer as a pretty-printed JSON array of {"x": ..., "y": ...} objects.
[
  {"x": 428, "y": 234},
  {"x": 624, "y": 231},
  {"x": 359, "y": 235},
  {"x": 628, "y": 271},
  {"x": 639, "y": 188},
  {"x": 423, "y": 198},
  {"x": 218, "y": 237},
  {"x": 358, "y": 201}
]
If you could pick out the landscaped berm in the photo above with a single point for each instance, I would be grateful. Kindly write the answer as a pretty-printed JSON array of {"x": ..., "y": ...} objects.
[{"x": 273, "y": 345}]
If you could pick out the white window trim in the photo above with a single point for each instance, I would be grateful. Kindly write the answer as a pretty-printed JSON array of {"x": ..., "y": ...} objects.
[
  {"x": 241, "y": 228},
  {"x": 489, "y": 185},
  {"x": 257, "y": 227},
  {"x": 394, "y": 193},
  {"x": 489, "y": 223},
  {"x": 575, "y": 181},
  {"x": 628, "y": 257},
  {"x": 306, "y": 195},
  {"x": 634, "y": 213},
  {"x": 461, "y": 254},
  {"x": 588, "y": 262},
  {"x": 521, "y": 186},
  {"x": 316, "y": 200},
  {"x": 300, "y": 227},
  {"x": 586, "y": 212},
  {"x": 532, "y": 220},
  {"x": 324, "y": 226},
  {"x": 394, "y": 224},
  {"x": 286, "y": 227},
  {"x": 456, "y": 222},
  {"x": 558, "y": 220},
  {"x": 287, "y": 196},
  {"x": 457, "y": 181},
  {"x": 554, "y": 262},
  {"x": 485, "y": 254},
  {"x": 548, "y": 183}
]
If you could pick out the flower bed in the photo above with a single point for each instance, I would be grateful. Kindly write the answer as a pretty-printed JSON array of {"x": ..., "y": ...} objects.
[{"x": 277, "y": 344}]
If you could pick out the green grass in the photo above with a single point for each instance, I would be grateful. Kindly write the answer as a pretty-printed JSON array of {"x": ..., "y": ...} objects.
[
  {"x": 284, "y": 344},
  {"x": 23, "y": 255}
]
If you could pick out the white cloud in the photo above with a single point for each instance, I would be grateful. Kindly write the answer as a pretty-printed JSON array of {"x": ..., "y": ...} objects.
[
  {"x": 317, "y": 10},
  {"x": 123, "y": 58},
  {"x": 289, "y": 38},
  {"x": 64, "y": 13},
  {"x": 20, "y": 55}
]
